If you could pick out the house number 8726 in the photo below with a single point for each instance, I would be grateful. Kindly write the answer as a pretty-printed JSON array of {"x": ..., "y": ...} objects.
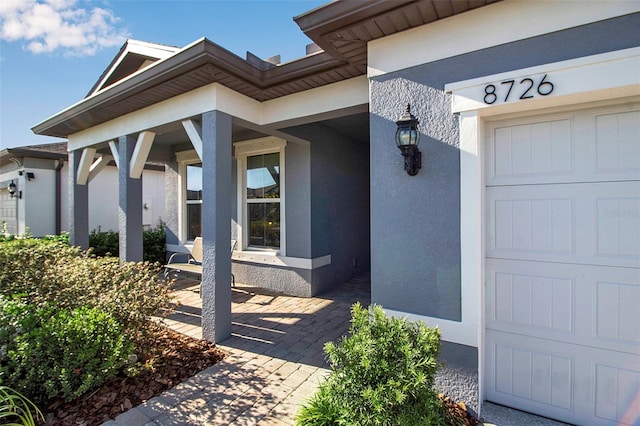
[{"x": 527, "y": 88}]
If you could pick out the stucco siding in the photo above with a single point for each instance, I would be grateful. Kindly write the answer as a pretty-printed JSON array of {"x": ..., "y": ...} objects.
[
  {"x": 339, "y": 193},
  {"x": 416, "y": 220}
]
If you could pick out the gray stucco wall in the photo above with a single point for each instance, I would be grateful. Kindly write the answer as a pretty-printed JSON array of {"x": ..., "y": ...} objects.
[
  {"x": 339, "y": 203},
  {"x": 415, "y": 221}
]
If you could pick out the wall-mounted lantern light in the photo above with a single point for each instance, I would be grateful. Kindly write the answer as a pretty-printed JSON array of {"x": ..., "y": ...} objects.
[
  {"x": 12, "y": 190},
  {"x": 407, "y": 139}
]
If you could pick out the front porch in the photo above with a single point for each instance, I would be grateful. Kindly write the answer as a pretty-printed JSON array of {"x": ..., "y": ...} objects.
[{"x": 275, "y": 360}]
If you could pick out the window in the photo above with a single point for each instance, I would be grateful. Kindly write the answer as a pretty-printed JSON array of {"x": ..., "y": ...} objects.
[
  {"x": 261, "y": 193},
  {"x": 193, "y": 211}
]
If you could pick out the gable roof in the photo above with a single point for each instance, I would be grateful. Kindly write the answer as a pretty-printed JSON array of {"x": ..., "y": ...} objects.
[{"x": 133, "y": 56}]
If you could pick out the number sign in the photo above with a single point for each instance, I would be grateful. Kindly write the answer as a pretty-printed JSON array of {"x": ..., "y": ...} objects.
[{"x": 526, "y": 88}]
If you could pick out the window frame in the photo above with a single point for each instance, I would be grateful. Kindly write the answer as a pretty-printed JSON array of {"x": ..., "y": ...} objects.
[
  {"x": 243, "y": 150},
  {"x": 184, "y": 159}
]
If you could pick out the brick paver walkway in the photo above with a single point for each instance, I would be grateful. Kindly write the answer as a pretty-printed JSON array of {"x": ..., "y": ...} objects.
[{"x": 275, "y": 358}]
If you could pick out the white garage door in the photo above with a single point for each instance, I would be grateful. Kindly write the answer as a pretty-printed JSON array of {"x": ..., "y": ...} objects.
[
  {"x": 563, "y": 265},
  {"x": 9, "y": 212}
]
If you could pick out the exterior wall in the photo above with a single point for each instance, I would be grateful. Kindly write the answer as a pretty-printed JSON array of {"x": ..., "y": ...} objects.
[
  {"x": 339, "y": 204},
  {"x": 327, "y": 215},
  {"x": 416, "y": 243},
  {"x": 103, "y": 198}
]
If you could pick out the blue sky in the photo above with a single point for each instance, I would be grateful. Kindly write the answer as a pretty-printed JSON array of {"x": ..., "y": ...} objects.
[{"x": 53, "y": 51}]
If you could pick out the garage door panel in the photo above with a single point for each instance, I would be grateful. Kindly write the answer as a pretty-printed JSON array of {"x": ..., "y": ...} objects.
[
  {"x": 580, "y": 304},
  {"x": 541, "y": 222},
  {"x": 618, "y": 142},
  {"x": 562, "y": 268},
  {"x": 582, "y": 146},
  {"x": 567, "y": 382}
]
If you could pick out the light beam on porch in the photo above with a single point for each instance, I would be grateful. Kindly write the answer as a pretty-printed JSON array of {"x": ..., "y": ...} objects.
[
  {"x": 141, "y": 153},
  {"x": 98, "y": 165},
  {"x": 194, "y": 131},
  {"x": 113, "y": 146},
  {"x": 216, "y": 225},
  {"x": 85, "y": 164}
]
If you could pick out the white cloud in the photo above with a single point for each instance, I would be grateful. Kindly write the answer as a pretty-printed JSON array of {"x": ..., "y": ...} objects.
[{"x": 47, "y": 26}]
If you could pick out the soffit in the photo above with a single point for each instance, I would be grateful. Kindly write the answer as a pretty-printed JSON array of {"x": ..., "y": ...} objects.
[
  {"x": 201, "y": 64},
  {"x": 343, "y": 28}
]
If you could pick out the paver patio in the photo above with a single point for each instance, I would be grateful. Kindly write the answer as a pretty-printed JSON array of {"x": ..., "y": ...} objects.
[{"x": 275, "y": 359}]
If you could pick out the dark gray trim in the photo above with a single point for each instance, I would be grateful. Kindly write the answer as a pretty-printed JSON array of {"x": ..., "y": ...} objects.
[
  {"x": 78, "y": 205},
  {"x": 216, "y": 230},
  {"x": 130, "y": 201}
]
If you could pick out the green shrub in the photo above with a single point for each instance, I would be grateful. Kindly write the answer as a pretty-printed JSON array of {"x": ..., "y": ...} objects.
[
  {"x": 383, "y": 373},
  {"x": 49, "y": 273},
  {"x": 61, "y": 238},
  {"x": 16, "y": 409},
  {"x": 154, "y": 244},
  {"x": 104, "y": 243},
  {"x": 52, "y": 353},
  {"x": 26, "y": 262}
]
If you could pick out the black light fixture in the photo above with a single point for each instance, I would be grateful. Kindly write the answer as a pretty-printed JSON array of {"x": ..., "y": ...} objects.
[
  {"x": 407, "y": 139},
  {"x": 12, "y": 190}
]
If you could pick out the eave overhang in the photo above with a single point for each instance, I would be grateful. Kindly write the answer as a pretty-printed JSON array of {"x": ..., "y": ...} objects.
[
  {"x": 343, "y": 28},
  {"x": 197, "y": 65}
]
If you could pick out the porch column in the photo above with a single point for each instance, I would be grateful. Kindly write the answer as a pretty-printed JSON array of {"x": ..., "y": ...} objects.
[
  {"x": 130, "y": 201},
  {"x": 172, "y": 202},
  {"x": 216, "y": 229},
  {"x": 78, "y": 204}
]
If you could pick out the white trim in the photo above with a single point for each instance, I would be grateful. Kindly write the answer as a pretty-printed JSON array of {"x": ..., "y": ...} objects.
[
  {"x": 141, "y": 153},
  {"x": 157, "y": 51},
  {"x": 498, "y": 23},
  {"x": 98, "y": 165},
  {"x": 314, "y": 102},
  {"x": 243, "y": 150},
  {"x": 273, "y": 260},
  {"x": 86, "y": 160},
  {"x": 194, "y": 132},
  {"x": 259, "y": 146},
  {"x": 189, "y": 156},
  {"x": 607, "y": 75},
  {"x": 451, "y": 331},
  {"x": 113, "y": 147}
]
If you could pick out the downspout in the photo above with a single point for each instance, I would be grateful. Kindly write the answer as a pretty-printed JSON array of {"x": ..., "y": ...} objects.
[{"x": 59, "y": 167}]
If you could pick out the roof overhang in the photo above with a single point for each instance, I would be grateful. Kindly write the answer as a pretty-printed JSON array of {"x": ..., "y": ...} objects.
[
  {"x": 343, "y": 28},
  {"x": 197, "y": 65}
]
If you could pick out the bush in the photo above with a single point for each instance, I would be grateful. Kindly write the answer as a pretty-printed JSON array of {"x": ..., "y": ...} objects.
[
  {"x": 49, "y": 273},
  {"x": 49, "y": 353},
  {"x": 154, "y": 244},
  {"x": 106, "y": 243},
  {"x": 383, "y": 373},
  {"x": 26, "y": 263}
]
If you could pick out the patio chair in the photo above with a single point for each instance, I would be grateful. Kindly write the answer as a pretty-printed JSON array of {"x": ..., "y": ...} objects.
[{"x": 194, "y": 261}]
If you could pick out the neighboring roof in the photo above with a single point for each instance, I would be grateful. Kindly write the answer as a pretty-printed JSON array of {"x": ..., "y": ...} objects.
[
  {"x": 54, "y": 151},
  {"x": 342, "y": 28},
  {"x": 133, "y": 56}
]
